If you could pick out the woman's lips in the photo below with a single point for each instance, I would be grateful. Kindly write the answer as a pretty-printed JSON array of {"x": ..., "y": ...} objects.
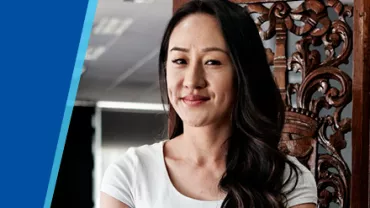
[{"x": 194, "y": 100}]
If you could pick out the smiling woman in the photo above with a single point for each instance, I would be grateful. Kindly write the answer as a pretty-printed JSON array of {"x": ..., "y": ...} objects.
[{"x": 223, "y": 145}]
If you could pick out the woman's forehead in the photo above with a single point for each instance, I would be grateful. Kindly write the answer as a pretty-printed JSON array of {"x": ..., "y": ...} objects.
[{"x": 197, "y": 30}]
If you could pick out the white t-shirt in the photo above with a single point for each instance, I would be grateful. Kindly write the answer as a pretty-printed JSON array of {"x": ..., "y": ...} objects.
[{"x": 139, "y": 179}]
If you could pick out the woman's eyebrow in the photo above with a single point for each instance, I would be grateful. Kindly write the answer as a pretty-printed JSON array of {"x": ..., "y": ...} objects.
[
  {"x": 208, "y": 49},
  {"x": 179, "y": 49}
]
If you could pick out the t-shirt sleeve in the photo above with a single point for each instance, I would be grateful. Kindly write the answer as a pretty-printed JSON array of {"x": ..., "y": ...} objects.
[
  {"x": 119, "y": 178},
  {"x": 306, "y": 188}
]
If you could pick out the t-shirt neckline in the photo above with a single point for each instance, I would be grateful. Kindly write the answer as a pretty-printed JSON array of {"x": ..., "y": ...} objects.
[{"x": 169, "y": 182}]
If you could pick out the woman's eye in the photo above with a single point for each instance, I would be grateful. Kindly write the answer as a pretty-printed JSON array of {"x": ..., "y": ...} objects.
[
  {"x": 179, "y": 61},
  {"x": 213, "y": 62}
]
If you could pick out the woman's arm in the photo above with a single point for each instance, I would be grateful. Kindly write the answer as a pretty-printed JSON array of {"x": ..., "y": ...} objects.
[
  {"x": 107, "y": 201},
  {"x": 116, "y": 189}
]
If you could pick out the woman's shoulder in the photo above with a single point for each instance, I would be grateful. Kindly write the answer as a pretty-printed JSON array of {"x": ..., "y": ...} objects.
[
  {"x": 121, "y": 176},
  {"x": 140, "y": 154},
  {"x": 300, "y": 186},
  {"x": 303, "y": 169}
]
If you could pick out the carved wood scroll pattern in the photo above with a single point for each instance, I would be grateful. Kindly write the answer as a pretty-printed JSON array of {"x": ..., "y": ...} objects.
[{"x": 305, "y": 129}]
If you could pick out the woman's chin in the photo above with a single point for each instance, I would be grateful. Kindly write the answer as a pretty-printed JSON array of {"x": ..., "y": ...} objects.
[{"x": 195, "y": 122}]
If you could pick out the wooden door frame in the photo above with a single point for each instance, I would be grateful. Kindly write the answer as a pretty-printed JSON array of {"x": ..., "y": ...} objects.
[
  {"x": 360, "y": 102},
  {"x": 360, "y": 183}
]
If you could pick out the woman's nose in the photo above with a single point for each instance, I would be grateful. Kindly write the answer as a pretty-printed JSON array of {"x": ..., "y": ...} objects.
[{"x": 194, "y": 77}]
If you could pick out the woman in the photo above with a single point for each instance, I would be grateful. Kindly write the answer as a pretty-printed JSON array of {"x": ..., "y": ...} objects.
[{"x": 228, "y": 116}]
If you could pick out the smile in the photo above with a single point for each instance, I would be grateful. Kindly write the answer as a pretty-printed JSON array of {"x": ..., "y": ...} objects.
[{"x": 194, "y": 100}]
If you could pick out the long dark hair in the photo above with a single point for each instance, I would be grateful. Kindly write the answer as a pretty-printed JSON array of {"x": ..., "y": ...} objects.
[{"x": 254, "y": 175}]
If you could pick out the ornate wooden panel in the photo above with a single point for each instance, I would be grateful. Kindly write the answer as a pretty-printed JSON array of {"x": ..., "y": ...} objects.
[{"x": 306, "y": 130}]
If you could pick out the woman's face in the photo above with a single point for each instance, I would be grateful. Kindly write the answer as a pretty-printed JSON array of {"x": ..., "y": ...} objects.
[{"x": 199, "y": 72}]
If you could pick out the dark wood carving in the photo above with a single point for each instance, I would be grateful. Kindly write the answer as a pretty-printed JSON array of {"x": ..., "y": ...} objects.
[{"x": 306, "y": 130}]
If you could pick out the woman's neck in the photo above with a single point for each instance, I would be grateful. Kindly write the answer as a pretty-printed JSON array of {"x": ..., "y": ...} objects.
[{"x": 206, "y": 144}]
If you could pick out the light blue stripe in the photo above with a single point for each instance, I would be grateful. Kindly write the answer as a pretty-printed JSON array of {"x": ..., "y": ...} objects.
[{"x": 80, "y": 58}]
